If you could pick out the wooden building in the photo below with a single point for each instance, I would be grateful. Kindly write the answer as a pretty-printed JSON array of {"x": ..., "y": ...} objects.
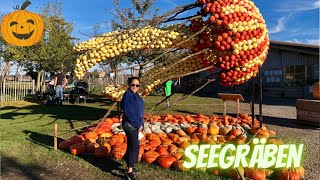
[{"x": 290, "y": 69}]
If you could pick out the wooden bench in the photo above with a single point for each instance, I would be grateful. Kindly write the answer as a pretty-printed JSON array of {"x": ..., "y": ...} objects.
[{"x": 308, "y": 111}]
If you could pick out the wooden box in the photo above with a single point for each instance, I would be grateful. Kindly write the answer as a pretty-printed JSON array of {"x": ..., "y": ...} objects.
[{"x": 308, "y": 111}]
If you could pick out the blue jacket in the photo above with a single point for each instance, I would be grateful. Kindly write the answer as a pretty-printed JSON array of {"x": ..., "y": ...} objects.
[{"x": 133, "y": 109}]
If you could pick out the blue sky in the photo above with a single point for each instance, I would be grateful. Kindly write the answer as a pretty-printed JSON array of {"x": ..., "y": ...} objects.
[{"x": 287, "y": 20}]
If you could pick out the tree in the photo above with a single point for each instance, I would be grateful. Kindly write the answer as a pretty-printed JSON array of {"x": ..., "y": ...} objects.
[{"x": 130, "y": 18}]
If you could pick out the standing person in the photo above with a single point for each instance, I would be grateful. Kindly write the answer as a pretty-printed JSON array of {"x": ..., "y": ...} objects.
[
  {"x": 60, "y": 81},
  {"x": 133, "y": 111},
  {"x": 168, "y": 91}
]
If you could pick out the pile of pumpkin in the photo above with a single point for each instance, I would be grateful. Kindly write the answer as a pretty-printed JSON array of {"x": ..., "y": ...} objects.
[{"x": 167, "y": 136}]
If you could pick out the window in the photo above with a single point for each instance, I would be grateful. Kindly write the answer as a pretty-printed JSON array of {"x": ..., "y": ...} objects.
[
  {"x": 272, "y": 78},
  {"x": 295, "y": 75}
]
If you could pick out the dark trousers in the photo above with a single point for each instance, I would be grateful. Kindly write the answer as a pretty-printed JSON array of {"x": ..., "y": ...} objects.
[{"x": 133, "y": 147}]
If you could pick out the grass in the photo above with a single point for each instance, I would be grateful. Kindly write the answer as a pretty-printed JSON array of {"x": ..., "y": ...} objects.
[{"x": 27, "y": 139}]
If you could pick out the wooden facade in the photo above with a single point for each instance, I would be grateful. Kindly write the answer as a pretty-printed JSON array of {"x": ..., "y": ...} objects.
[{"x": 290, "y": 69}]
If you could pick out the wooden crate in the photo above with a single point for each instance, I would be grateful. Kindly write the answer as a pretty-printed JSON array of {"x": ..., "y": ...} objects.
[{"x": 308, "y": 111}]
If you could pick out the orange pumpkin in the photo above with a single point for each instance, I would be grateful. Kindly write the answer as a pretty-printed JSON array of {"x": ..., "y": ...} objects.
[
  {"x": 119, "y": 151},
  {"x": 105, "y": 135},
  {"x": 22, "y": 28},
  {"x": 191, "y": 129},
  {"x": 172, "y": 149},
  {"x": 178, "y": 165},
  {"x": 150, "y": 156},
  {"x": 64, "y": 144},
  {"x": 162, "y": 150},
  {"x": 180, "y": 132},
  {"x": 288, "y": 175},
  {"x": 299, "y": 170},
  {"x": 184, "y": 144},
  {"x": 177, "y": 155},
  {"x": 91, "y": 135},
  {"x": 236, "y": 132},
  {"x": 141, "y": 151},
  {"x": 77, "y": 149},
  {"x": 165, "y": 161}
]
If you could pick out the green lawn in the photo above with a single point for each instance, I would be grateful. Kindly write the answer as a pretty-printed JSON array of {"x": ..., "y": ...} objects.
[{"x": 27, "y": 138}]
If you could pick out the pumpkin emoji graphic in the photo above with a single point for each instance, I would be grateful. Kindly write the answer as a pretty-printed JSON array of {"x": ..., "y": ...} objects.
[{"x": 22, "y": 28}]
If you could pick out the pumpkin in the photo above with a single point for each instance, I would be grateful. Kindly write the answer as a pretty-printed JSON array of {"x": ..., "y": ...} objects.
[
  {"x": 119, "y": 151},
  {"x": 236, "y": 132},
  {"x": 184, "y": 144},
  {"x": 225, "y": 130},
  {"x": 178, "y": 165},
  {"x": 91, "y": 147},
  {"x": 180, "y": 132},
  {"x": 201, "y": 130},
  {"x": 100, "y": 131},
  {"x": 165, "y": 161},
  {"x": 233, "y": 173},
  {"x": 231, "y": 138},
  {"x": 162, "y": 150},
  {"x": 177, "y": 155},
  {"x": 101, "y": 152},
  {"x": 107, "y": 145},
  {"x": 22, "y": 28},
  {"x": 194, "y": 141},
  {"x": 105, "y": 135},
  {"x": 172, "y": 149},
  {"x": 91, "y": 135},
  {"x": 191, "y": 129},
  {"x": 150, "y": 156},
  {"x": 88, "y": 141},
  {"x": 213, "y": 130},
  {"x": 299, "y": 170},
  {"x": 64, "y": 144},
  {"x": 77, "y": 149},
  {"x": 76, "y": 139},
  {"x": 141, "y": 151},
  {"x": 288, "y": 175},
  {"x": 115, "y": 120},
  {"x": 166, "y": 142},
  {"x": 256, "y": 174},
  {"x": 108, "y": 121}
]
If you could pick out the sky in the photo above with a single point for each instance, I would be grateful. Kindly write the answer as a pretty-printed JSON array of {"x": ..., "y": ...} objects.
[{"x": 287, "y": 20}]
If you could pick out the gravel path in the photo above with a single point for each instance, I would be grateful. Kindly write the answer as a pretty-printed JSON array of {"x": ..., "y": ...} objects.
[{"x": 281, "y": 119}]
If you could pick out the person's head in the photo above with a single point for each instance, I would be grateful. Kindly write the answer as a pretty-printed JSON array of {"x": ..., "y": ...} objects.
[
  {"x": 60, "y": 70},
  {"x": 134, "y": 84}
]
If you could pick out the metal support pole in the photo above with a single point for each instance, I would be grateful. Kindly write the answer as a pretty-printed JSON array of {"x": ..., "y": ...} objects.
[
  {"x": 252, "y": 101},
  {"x": 119, "y": 110},
  {"x": 260, "y": 97}
]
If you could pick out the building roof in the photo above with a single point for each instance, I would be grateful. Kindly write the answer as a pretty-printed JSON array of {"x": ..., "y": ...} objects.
[{"x": 290, "y": 46}]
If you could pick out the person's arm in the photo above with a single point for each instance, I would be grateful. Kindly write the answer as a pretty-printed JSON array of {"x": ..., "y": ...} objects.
[
  {"x": 55, "y": 81},
  {"x": 128, "y": 109},
  {"x": 65, "y": 80}
]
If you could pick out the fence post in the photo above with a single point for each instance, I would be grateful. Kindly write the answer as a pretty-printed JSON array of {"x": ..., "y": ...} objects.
[
  {"x": 15, "y": 90},
  {"x": 33, "y": 86}
]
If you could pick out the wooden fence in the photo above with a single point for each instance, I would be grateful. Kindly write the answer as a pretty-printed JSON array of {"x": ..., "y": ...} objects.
[
  {"x": 99, "y": 84},
  {"x": 16, "y": 90}
]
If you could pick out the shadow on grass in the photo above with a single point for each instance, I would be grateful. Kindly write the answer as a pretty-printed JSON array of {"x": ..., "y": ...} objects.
[
  {"x": 106, "y": 164},
  {"x": 71, "y": 113},
  {"x": 10, "y": 167}
]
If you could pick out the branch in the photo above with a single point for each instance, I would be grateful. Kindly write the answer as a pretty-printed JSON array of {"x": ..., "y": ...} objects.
[{"x": 194, "y": 35}]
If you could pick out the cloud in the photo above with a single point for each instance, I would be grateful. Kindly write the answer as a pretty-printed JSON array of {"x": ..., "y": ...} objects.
[
  {"x": 280, "y": 26},
  {"x": 307, "y": 41},
  {"x": 298, "y": 5}
]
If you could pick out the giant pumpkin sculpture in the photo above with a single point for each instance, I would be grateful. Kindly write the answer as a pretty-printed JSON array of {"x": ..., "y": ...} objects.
[{"x": 22, "y": 28}]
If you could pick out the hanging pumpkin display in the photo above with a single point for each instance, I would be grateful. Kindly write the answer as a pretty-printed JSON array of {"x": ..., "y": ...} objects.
[{"x": 22, "y": 28}]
